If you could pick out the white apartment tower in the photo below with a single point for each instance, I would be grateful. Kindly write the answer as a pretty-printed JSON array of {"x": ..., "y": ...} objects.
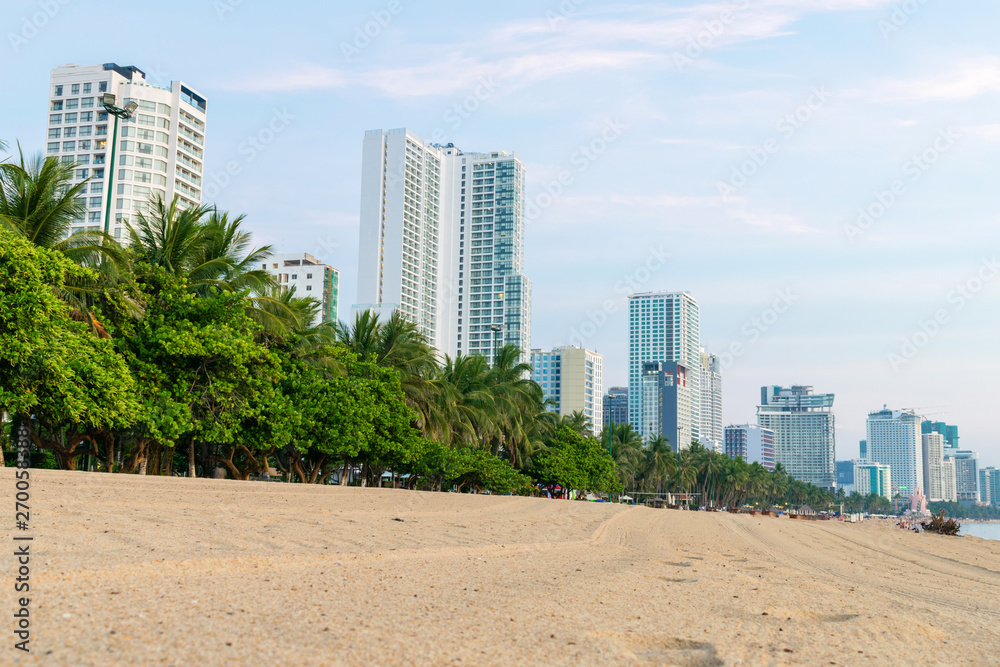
[
  {"x": 804, "y": 432},
  {"x": 442, "y": 241},
  {"x": 160, "y": 151},
  {"x": 894, "y": 439},
  {"x": 665, "y": 328},
  {"x": 938, "y": 470},
  {"x": 573, "y": 378},
  {"x": 711, "y": 401},
  {"x": 310, "y": 278}
]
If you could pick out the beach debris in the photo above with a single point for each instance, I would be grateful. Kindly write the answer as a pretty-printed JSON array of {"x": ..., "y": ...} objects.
[{"x": 938, "y": 524}]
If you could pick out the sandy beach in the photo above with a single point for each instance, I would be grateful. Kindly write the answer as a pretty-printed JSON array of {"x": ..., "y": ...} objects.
[{"x": 153, "y": 570}]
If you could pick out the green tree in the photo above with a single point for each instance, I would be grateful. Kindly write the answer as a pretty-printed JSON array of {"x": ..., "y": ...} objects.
[{"x": 66, "y": 384}]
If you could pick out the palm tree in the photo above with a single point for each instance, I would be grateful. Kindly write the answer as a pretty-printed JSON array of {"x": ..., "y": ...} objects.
[
  {"x": 660, "y": 464},
  {"x": 398, "y": 344},
  {"x": 625, "y": 446},
  {"x": 40, "y": 202},
  {"x": 578, "y": 422},
  {"x": 210, "y": 251},
  {"x": 518, "y": 406}
]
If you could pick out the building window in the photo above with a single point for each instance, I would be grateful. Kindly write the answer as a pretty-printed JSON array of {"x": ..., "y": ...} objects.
[
  {"x": 295, "y": 276},
  {"x": 84, "y": 145},
  {"x": 56, "y": 105},
  {"x": 309, "y": 288},
  {"x": 69, "y": 145},
  {"x": 54, "y": 133},
  {"x": 55, "y": 118},
  {"x": 94, "y": 216},
  {"x": 53, "y": 147},
  {"x": 59, "y": 91},
  {"x": 95, "y": 202},
  {"x": 71, "y": 118},
  {"x": 102, "y": 87},
  {"x": 309, "y": 276},
  {"x": 72, "y": 104},
  {"x": 87, "y": 103},
  {"x": 86, "y": 116},
  {"x": 70, "y": 132}
]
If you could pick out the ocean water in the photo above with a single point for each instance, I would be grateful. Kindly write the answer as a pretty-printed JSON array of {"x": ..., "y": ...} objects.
[{"x": 989, "y": 531}]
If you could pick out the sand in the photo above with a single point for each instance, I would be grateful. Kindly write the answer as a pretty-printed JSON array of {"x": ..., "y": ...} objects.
[{"x": 152, "y": 570}]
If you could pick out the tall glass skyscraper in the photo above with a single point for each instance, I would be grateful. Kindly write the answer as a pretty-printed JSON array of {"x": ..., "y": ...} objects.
[
  {"x": 665, "y": 328},
  {"x": 804, "y": 436},
  {"x": 442, "y": 241}
]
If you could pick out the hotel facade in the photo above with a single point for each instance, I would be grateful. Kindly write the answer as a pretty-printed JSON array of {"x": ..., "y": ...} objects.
[
  {"x": 160, "y": 150},
  {"x": 442, "y": 241}
]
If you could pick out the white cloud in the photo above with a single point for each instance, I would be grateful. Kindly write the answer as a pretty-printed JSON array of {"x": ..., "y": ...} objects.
[
  {"x": 523, "y": 53},
  {"x": 962, "y": 80}
]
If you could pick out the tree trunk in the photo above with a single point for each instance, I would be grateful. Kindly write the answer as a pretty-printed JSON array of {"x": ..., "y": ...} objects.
[
  {"x": 128, "y": 465},
  {"x": 364, "y": 474},
  {"x": 151, "y": 463},
  {"x": 343, "y": 475},
  {"x": 110, "y": 452},
  {"x": 192, "y": 470}
]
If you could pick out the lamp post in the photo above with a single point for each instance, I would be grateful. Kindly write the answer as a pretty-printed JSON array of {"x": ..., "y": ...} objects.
[
  {"x": 611, "y": 418},
  {"x": 497, "y": 329},
  {"x": 109, "y": 100}
]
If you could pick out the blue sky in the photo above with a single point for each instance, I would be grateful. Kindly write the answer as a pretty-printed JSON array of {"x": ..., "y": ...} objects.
[{"x": 740, "y": 138}]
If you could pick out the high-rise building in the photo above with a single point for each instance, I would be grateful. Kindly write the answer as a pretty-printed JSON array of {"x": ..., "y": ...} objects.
[
  {"x": 573, "y": 378},
  {"x": 616, "y": 406},
  {"x": 804, "y": 433},
  {"x": 949, "y": 492},
  {"x": 864, "y": 450},
  {"x": 664, "y": 327},
  {"x": 894, "y": 439},
  {"x": 845, "y": 476},
  {"x": 949, "y": 433},
  {"x": 750, "y": 442},
  {"x": 966, "y": 474},
  {"x": 160, "y": 151},
  {"x": 873, "y": 478},
  {"x": 668, "y": 401},
  {"x": 309, "y": 277},
  {"x": 989, "y": 486},
  {"x": 932, "y": 445},
  {"x": 442, "y": 241},
  {"x": 711, "y": 434}
]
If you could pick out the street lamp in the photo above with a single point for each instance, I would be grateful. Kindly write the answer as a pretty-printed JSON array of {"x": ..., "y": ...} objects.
[
  {"x": 497, "y": 329},
  {"x": 108, "y": 100}
]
